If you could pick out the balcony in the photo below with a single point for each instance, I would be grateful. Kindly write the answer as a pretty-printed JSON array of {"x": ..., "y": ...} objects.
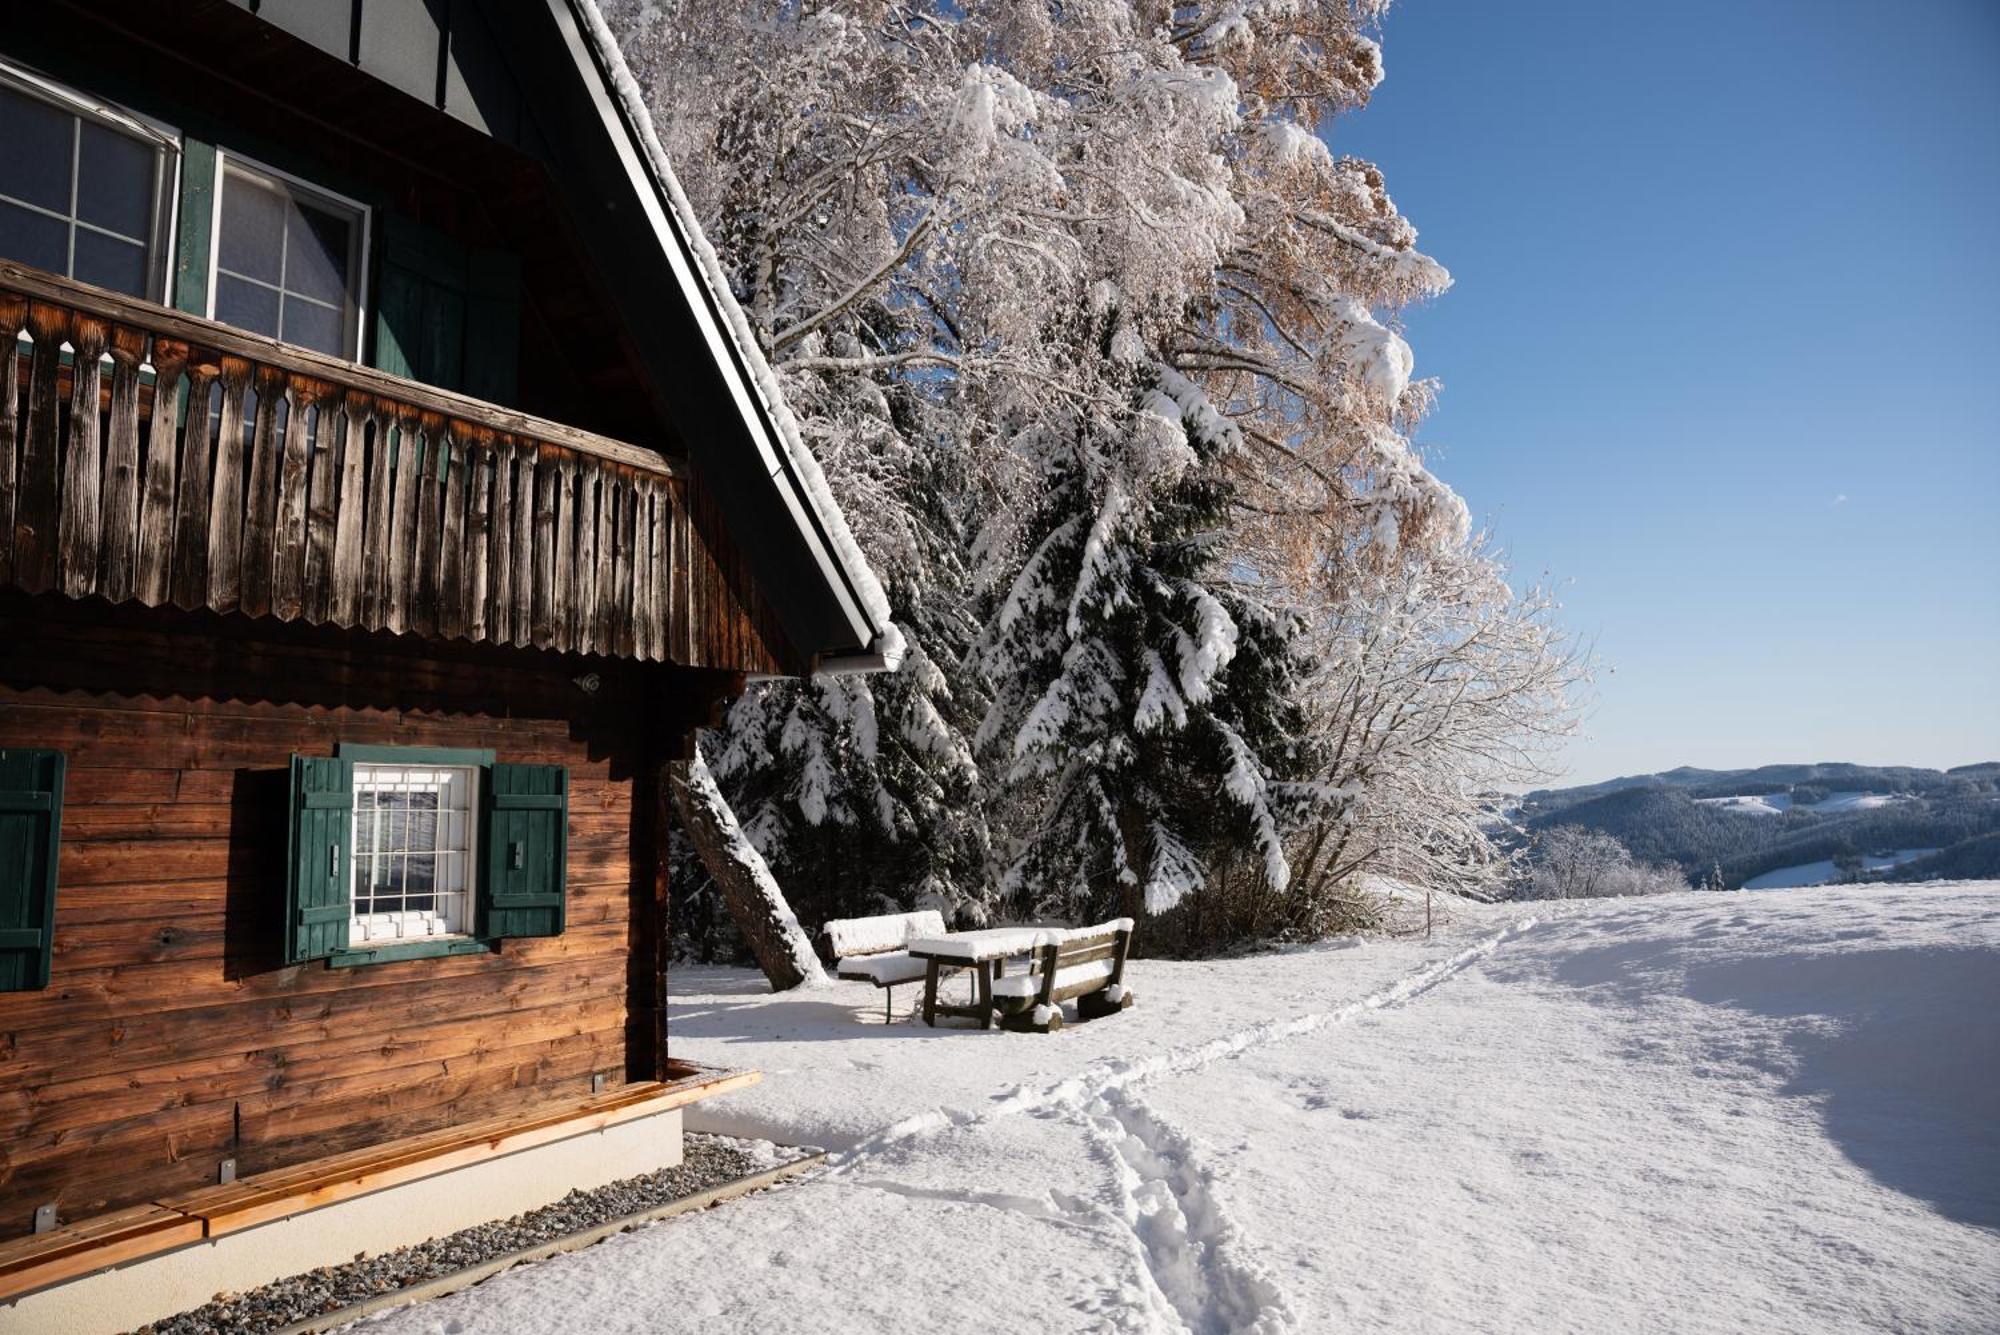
[{"x": 151, "y": 457}]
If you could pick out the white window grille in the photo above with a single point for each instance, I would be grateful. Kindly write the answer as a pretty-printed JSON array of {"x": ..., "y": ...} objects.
[
  {"x": 414, "y": 832},
  {"x": 86, "y": 190},
  {"x": 288, "y": 258}
]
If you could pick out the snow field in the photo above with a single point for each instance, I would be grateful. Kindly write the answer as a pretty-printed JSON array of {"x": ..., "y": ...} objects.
[
  {"x": 1738, "y": 1114},
  {"x": 1825, "y": 872},
  {"x": 1694, "y": 1112}
]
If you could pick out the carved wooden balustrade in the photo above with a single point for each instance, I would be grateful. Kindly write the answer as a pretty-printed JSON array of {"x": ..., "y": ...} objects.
[{"x": 148, "y": 456}]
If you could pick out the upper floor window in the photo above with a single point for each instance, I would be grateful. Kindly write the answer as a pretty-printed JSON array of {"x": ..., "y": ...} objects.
[
  {"x": 288, "y": 260},
  {"x": 83, "y": 188}
]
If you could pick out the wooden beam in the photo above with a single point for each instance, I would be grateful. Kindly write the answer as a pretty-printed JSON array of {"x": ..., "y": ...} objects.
[
  {"x": 767, "y": 928},
  {"x": 140, "y": 1231},
  {"x": 42, "y": 1259},
  {"x": 288, "y": 1191}
]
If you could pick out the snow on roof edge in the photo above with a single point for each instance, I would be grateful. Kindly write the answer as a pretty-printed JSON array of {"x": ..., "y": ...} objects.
[{"x": 793, "y": 463}]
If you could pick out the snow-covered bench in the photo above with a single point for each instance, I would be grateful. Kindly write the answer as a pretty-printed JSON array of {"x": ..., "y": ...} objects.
[
  {"x": 871, "y": 950},
  {"x": 1084, "y": 963}
]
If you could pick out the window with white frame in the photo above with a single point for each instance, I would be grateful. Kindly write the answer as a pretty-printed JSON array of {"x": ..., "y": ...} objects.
[
  {"x": 84, "y": 188},
  {"x": 288, "y": 259},
  {"x": 414, "y": 834}
]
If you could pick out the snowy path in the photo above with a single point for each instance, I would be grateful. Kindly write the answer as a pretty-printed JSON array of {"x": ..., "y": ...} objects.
[{"x": 1771, "y": 1112}]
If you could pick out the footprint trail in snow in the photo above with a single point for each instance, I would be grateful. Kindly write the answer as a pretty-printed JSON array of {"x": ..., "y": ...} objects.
[
  {"x": 1199, "y": 1273},
  {"x": 1205, "y": 1271},
  {"x": 1116, "y": 1073}
]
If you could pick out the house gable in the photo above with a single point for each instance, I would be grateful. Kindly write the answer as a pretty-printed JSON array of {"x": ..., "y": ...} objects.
[
  {"x": 587, "y": 126},
  {"x": 644, "y": 354}
]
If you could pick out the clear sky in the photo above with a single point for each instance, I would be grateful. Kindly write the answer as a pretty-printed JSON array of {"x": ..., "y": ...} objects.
[{"x": 1723, "y": 353}]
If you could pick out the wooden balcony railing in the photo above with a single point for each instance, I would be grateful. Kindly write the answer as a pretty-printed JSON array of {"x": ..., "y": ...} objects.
[{"x": 204, "y": 467}]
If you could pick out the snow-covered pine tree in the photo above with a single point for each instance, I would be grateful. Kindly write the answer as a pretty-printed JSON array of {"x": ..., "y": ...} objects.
[
  {"x": 861, "y": 792},
  {"x": 1143, "y": 720}
]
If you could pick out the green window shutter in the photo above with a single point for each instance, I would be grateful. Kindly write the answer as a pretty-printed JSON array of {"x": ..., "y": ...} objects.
[
  {"x": 446, "y": 315},
  {"x": 420, "y": 305},
  {"x": 320, "y": 858},
  {"x": 526, "y": 837},
  {"x": 31, "y": 793},
  {"x": 196, "y": 216},
  {"x": 492, "y": 325}
]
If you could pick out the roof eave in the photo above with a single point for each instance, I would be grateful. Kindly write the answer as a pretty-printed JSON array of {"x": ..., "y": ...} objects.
[{"x": 743, "y": 367}]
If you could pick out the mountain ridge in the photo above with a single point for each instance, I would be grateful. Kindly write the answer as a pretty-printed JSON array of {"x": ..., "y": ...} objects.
[
  {"x": 1826, "y": 811},
  {"x": 1823, "y": 771}
]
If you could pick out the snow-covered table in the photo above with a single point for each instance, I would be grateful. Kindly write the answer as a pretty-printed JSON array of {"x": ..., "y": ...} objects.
[{"x": 985, "y": 952}]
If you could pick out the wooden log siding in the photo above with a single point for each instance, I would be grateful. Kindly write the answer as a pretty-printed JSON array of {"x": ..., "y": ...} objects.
[
  {"x": 172, "y": 1034},
  {"x": 147, "y": 456}
]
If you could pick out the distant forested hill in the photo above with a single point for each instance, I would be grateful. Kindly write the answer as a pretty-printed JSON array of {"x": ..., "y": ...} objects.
[
  {"x": 1753, "y": 821},
  {"x": 1972, "y": 859}
]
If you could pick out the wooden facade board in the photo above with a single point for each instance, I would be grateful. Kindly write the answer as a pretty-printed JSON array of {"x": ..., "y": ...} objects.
[{"x": 172, "y": 1033}]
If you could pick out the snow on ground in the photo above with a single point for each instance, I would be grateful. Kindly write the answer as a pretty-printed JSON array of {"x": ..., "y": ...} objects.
[
  {"x": 1825, "y": 872},
  {"x": 1700, "y": 1112},
  {"x": 1777, "y": 804},
  {"x": 1763, "y": 804},
  {"x": 1858, "y": 801}
]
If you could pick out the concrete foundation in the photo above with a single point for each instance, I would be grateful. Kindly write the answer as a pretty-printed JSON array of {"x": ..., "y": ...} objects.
[{"x": 130, "y": 1295}]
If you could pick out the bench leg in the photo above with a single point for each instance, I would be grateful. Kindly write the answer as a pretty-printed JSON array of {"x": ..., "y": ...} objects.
[
  {"x": 1096, "y": 1005},
  {"x": 986, "y": 996},
  {"x": 1023, "y": 1022},
  {"x": 930, "y": 993}
]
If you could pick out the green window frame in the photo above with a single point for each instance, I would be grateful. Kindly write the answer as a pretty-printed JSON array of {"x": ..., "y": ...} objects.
[
  {"x": 31, "y": 799},
  {"x": 512, "y": 881}
]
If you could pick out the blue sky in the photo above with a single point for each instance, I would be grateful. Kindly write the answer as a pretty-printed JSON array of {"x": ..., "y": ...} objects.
[{"x": 1723, "y": 353}]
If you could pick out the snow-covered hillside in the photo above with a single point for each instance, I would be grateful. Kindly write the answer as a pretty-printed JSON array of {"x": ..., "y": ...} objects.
[
  {"x": 1777, "y": 804},
  {"x": 1700, "y": 1112},
  {"x": 1826, "y": 870}
]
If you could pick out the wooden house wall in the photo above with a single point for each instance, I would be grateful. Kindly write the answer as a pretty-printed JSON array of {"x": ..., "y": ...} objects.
[
  {"x": 729, "y": 623},
  {"x": 171, "y": 1035}
]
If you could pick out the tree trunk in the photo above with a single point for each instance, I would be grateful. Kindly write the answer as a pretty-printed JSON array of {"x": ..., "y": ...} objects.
[
  {"x": 755, "y": 903},
  {"x": 1132, "y": 831}
]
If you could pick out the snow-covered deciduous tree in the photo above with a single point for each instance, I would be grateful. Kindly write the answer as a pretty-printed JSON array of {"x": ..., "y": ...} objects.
[
  {"x": 1570, "y": 862},
  {"x": 796, "y": 134},
  {"x": 1434, "y": 685},
  {"x": 1097, "y": 341}
]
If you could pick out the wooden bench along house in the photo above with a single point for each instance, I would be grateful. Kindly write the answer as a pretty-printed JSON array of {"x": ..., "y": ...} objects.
[{"x": 386, "y": 492}]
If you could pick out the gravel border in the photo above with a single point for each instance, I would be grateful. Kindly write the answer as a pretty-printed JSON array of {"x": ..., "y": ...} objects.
[{"x": 708, "y": 1161}]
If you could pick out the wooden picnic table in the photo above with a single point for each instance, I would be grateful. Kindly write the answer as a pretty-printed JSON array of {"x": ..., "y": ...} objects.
[{"x": 984, "y": 952}]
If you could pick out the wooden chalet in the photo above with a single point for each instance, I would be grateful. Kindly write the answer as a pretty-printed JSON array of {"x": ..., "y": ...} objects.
[{"x": 385, "y": 495}]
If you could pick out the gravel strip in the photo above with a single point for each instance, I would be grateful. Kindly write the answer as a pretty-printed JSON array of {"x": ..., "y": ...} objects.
[{"x": 708, "y": 1161}]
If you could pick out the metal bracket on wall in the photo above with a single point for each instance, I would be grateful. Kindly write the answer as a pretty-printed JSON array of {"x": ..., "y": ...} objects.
[
  {"x": 597, "y": 1083},
  {"x": 225, "y": 1172},
  {"x": 45, "y": 1218}
]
